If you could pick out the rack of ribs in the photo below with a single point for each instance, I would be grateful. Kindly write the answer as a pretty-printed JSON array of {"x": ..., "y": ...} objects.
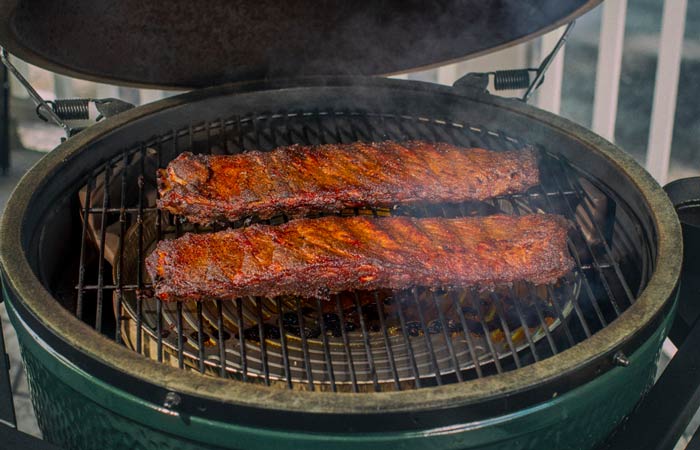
[
  {"x": 318, "y": 257},
  {"x": 296, "y": 180}
]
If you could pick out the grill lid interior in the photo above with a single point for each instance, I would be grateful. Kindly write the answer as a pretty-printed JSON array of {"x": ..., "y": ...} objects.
[{"x": 202, "y": 43}]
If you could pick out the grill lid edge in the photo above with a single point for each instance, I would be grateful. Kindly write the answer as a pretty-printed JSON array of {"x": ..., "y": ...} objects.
[{"x": 197, "y": 44}]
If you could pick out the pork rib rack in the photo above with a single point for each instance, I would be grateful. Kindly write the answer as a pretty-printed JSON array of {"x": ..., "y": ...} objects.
[
  {"x": 299, "y": 179},
  {"x": 318, "y": 257}
]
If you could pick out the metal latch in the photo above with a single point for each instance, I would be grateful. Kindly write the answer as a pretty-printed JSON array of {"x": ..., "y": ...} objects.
[
  {"x": 62, "y": 111},
  {"x": 517, "y": 78}
]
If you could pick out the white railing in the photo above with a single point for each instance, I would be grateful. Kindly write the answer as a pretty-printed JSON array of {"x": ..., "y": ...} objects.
[
  {"x": 666, "y": 90},
  {"x": 607, "y": 77},
  {"x": 549, "y": 97},
  {"x": 549, "y": 94}
]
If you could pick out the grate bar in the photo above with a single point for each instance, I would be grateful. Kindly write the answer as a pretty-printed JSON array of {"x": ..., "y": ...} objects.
[
  {"x": 81, "y": 273},
  {"x": 346, "y": 344},
  {"x": 223, "y": 141},
  {"x": 221, "y": 337},
  {"x": 256, "y": 132},
  {"x": 100, "y": 264},
  {"x": 409, "y": 346},
  {"x": 577, "y": 310},
  {"x": 238, "y": 132},
  {"x": 506, "y": 330},
  {"x": 123, "y": 287},
  {"x": 625, "y": 240},
  {"x": 426, "y": 338},
  {"x": 159, "y": 237},
  {"x": 262, "y": 339},
  {"x": 139, "y": 262},
  {"x": 467, "y": 337},
  {"x": 525, "y": 326},
  {"x": 180, "y": 343},
  {"x": 159, "y": 330},
  {"x": 326, "y": 347},
  {"x": 286, "y": 135},
  {"x": 337, "y": 136},
  {"x": 159, "y": 214},
  {"x": 387, "y": 342},
  {"x": 368, "y": 347},
  {"x": 241, "y": 340},
  {"x": 485, "y": 329},
  {"x": 120, "y": 264},
  {"x": 589, "y": 293},
  {"x": 293, "y": 133},
  {"x": 283, "y": 344},
  {"x": 448, "y": 339},
  {"x": 543, "y": 322},
  {"x": 400, "y": 125},
  {"x": 305, "y": 347},
  {"x": 356, "y": 134},
  {"x": 200, "y": 337},
  {"x": 208, "y": 127},
  {"x": 308, "y": 133},
  {"x": 560, "y": 316}
]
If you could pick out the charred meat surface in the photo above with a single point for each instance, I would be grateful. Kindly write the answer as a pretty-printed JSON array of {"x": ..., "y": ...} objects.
[
  {"x": 299, "y": 179},
  {"x": 318, "y": 257}
]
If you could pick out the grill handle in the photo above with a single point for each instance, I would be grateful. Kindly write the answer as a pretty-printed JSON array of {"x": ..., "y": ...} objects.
[{"x": 685, "y": 195}]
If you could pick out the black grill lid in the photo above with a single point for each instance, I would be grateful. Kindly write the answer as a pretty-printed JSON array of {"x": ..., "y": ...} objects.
[{"x": 197, "y": 43}]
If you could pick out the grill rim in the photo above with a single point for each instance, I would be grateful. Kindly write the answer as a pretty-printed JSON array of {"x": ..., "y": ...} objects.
[{"x": 60, "y": 329}]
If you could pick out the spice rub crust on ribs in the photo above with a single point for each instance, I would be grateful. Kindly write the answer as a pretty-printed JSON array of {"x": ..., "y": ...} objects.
[
  {"x": 318, "y": 257},
  {"x": 300, "y": 179}
]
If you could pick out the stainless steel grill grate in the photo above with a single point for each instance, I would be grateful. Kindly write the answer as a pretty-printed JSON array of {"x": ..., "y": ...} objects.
[{"x": 366, "y": 341}]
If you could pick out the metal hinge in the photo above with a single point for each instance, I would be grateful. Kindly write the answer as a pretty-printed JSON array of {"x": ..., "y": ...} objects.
[
  {"x": 517, "y": 78},
  {"x": 66, "y": 110}
]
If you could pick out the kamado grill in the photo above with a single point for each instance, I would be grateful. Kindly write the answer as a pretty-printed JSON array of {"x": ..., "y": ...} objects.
[{"x": 522, "y": 366}]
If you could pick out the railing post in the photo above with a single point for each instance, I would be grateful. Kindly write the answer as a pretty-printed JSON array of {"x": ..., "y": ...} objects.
[
  {"x": 607, "y": 78},
  {"x": 150, "y": 95},
  {"x": 447, "y": 75},
  {"x": 62, "y": 87},
  {"x": 668, "y": 68},
  {"x": 549, "y": 95}
]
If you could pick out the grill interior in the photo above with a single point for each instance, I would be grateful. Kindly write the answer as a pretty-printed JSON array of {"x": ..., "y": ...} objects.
[{"x": 363, "y": 341}]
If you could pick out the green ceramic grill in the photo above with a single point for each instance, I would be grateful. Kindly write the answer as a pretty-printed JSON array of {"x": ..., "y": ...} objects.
[{"x": 520, "y": 366}]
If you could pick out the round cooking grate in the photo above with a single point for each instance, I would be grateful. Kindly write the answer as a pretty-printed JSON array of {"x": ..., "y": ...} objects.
[{"x": 361, "y": 341}]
